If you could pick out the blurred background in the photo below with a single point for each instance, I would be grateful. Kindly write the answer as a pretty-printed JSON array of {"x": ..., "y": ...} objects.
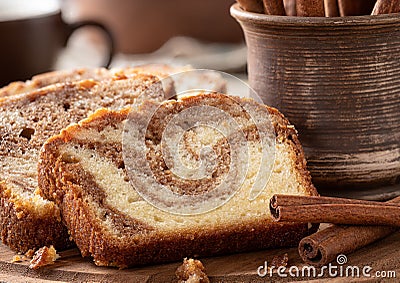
[
  {"x": 200, "y": 33},
  {"x": 36, "y": 35}
]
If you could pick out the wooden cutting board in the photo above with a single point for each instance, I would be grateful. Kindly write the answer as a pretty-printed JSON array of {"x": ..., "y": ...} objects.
[{"x": 383, "y": 255}]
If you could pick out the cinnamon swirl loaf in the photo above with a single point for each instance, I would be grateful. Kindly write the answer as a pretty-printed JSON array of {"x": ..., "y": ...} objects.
[
  {"x": 87, "y": 171},
  {"x": 27, "y": 221}
]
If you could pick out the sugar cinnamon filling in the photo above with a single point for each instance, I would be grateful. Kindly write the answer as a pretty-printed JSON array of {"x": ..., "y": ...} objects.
[
  {"x": 101, "y": 161},
  {"x": 192, "y": 143},
  {"x": 92, "y": 190}
]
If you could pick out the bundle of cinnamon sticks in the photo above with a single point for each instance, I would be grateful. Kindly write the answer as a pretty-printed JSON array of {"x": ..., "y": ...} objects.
[
  {"x": 321, "y": 8},
  {"x": 357, "y": 223}
]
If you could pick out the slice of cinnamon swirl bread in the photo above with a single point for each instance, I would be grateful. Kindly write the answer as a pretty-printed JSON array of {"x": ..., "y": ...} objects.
[
  {"x": 107, "y": 180},
  {"x": 98, "y": 74},
  {"x": 27, "y": 221},
  {"x": 46, "y": 79},
  {"x": 214, "y": 81}
]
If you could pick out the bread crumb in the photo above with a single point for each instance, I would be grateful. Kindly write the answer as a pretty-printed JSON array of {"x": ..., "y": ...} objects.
[
  {"x": 19, "y": 258},
  {"x": 43, "y": 257},
  {"x": 280, "y": 260},
  {"x": 23, "y": 257},
  {"x": 30, "y": 253},
  {"x": 191, "y": 271}
]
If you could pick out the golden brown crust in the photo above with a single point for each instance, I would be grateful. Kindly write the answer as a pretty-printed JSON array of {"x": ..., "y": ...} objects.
[
  {"x": 23, "y": 230},
  {"x": 151, "y": 247}
]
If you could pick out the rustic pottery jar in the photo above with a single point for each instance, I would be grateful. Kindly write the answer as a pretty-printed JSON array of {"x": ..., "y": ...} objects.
[{"x": 338, "y": 81}]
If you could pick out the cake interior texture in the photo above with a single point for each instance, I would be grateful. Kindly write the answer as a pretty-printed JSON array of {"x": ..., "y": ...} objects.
[
  {"x": 84, "y": 171},
  {"x": 27, "y": 221}
]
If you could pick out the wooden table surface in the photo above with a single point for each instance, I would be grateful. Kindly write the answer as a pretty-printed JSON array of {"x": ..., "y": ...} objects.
[{"x": 383, "y": 255}]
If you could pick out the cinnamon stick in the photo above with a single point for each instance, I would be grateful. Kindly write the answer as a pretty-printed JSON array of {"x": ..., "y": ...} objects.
[
  {"x": 324, "y": 246},
  {"x": 355, "y": 7},
  {"x": 274, "y": 7},
  {"x": 386, "y": 7},
  {"x": 291, "y": 200},
  {"x": 310, "y": 8},
  {"x": 331, "y": 8},
  {"x": 334, "y": 210},
  {"x": 255, "y": 6},
  {"x": 290, "y": 7}
]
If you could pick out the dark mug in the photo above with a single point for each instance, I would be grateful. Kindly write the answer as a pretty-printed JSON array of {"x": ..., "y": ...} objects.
[{"x": 32, "y": 35}]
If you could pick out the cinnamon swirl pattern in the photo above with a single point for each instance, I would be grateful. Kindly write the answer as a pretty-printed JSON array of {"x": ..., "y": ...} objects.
[{"x": 174, "y": 179}]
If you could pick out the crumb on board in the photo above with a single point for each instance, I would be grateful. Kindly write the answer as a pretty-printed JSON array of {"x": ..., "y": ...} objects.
[
  {"x": 280, "y": 260},
  {"x": 30, "y": 253},
  {"x": 19, "y": 258},
  {"x": 191, "y": 271},
  {"x": 43, "y": 257},
  {"x": 23, "y": 257}
]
